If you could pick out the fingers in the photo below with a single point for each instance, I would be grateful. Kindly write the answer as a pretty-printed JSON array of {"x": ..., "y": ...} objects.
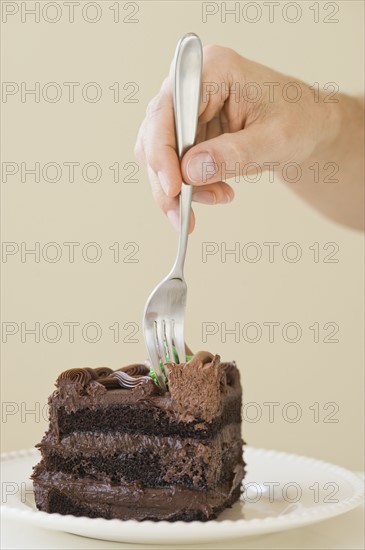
[
  {"x": 228, "y": 155},
  {"x": 169, "y": 205},
  {"x": 165, "y": 202},
  {"x": 213, "y": 193},
  {"x": 156, "y": 142},
  {"x": 213, "y": 128}
]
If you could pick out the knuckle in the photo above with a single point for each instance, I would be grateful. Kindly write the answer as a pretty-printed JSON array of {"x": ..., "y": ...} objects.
[
  {"x": 285, "y": 141},
  {"x": 154, "y": 106},
  {"x": 153, "y": 158},
  {"x": 158, "y": 199},
  {"x": 138, "y": 152},
  {"x": 283, "y": 133},
  {"x": 138, "y": 146},
  {"x": 166, "y": 86},
  {"x": 213, "y": 50},
  {"x": 216, "y": 51},
  {"x": 232, "y": 150}
]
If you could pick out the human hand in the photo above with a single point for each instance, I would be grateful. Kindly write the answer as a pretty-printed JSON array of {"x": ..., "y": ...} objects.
[{"x": 250, "y": 117}]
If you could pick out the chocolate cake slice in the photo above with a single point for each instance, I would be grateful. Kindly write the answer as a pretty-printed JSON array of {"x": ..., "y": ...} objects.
[{"x": 117, "y": 447}]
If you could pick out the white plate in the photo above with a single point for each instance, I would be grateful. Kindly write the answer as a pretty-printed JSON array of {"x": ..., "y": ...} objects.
[{"x": 283, "y": 491}]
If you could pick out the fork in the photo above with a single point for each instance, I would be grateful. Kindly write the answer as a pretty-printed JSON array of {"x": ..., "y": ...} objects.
[{"x": 163, "y": 323}]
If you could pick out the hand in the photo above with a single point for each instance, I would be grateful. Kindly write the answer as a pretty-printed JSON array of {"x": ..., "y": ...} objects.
[{"x": 250, "y": 116}]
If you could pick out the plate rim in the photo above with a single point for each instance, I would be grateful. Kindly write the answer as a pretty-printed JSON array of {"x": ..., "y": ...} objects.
[{"x": 304, "y": 516}]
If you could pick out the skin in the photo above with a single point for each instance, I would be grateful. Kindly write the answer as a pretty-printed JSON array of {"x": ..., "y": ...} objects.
[{"x": 240, "y": 132}]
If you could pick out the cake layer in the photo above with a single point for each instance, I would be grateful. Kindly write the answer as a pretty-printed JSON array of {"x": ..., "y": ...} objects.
[
  {"x": 155, "y": 461},
  {"x": 204, "y": 394},
  {"x": 65, "y": 494},
  {"x": 138, "y": 418}
]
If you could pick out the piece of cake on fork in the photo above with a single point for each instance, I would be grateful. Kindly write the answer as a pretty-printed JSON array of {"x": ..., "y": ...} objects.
[{"x": 117, "y": 447}]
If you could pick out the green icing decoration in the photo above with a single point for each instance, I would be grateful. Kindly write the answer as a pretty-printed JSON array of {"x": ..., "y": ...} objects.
[
  {"x": 153, "y": 376},
  {"x": 176, "y": 357}
]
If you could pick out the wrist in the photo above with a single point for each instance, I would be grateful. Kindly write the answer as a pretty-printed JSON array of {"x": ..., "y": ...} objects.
[{"x": 331, "y": 122}]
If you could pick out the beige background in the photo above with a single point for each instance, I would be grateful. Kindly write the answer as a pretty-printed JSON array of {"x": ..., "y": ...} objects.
[{"x": 105, "y": 212}]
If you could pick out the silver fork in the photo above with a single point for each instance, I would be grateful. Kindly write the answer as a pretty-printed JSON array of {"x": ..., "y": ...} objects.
[{"x": 163, "y": 324}]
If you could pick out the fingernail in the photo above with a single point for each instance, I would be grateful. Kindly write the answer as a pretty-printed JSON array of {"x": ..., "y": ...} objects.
[
  {"x": 201, "y": 167},
  {"x": 227, "y": 198},
  {"x": 174, "y": 219},
  {"x": 163, "y": 181},
  {"x": 204, "y": 197}
]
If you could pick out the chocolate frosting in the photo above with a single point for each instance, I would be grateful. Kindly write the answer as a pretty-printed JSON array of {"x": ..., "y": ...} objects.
[
  {"x": 135, "y": 370},
  {"x": 127, "y": 381},
  {"x": 132, "y": 500},
  {"x": 103, "y": 371},
  {"x": 125, "y": 377},
  {"x": 174, "y": 452},
  {"x": 196, "y": 389},
  {"x": 80, "y": 376}
]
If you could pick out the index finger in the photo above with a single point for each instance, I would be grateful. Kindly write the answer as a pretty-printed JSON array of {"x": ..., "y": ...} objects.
[{"x": 156, "y": 141}]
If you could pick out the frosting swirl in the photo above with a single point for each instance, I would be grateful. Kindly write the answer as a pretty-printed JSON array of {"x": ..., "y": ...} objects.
[
  {"x": 109, "y": 382},
  {"x": 134, "y": 375},
  {"x": 122, "y": 379},
  {"x": 136, "y": 369},
  {"x": 79, "y": 375},
  {"x": 127, "y": 381},
  {"x": 103, "y": 371}
]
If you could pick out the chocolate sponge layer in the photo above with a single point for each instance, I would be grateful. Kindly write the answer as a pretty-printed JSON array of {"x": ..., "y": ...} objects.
[
  {"x": 62, "y": 493},
  {"x": 151, "y": 460},
  {"x": 61, "y": 504},
  {"x": 132, "y": 418}
]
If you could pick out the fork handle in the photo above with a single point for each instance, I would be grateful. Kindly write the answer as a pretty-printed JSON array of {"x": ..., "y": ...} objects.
[{"x": 187, "y": 85}]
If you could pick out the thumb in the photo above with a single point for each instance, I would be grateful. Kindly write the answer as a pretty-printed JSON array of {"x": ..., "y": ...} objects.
[{"x": 228, "y": 155}]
